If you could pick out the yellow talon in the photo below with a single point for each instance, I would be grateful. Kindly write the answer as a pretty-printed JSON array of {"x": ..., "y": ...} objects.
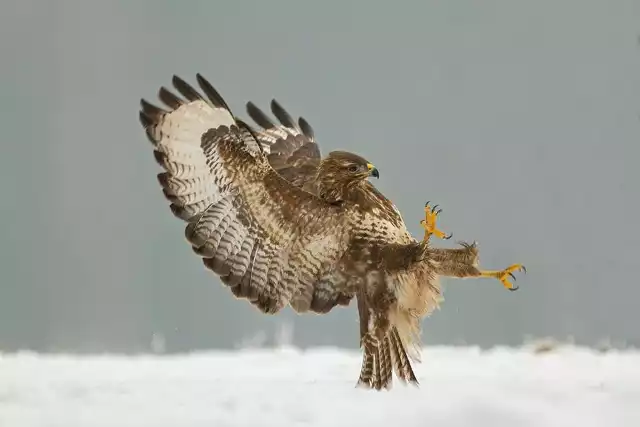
[
  {"x": 503, "y": 275},
  {"x": 429, "y": 223}
]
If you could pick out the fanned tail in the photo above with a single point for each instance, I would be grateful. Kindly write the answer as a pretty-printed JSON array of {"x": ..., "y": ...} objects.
[{"x": 381, "y": 358}]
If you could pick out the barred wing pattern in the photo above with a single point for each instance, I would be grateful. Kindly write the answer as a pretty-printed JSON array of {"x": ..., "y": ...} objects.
[
  {"x": 268, "y": 240},
  {"x": 291, "y": 147}
]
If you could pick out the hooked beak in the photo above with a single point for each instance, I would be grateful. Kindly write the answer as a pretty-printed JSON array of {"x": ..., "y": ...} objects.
[{"x": 373, "y": 171}]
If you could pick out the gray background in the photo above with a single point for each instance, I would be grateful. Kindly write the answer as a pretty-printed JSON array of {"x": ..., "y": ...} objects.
[{"x": 520, "y": 118}]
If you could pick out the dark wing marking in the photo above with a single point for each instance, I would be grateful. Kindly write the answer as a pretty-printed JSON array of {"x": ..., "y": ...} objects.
[{"x": 291, "y": 147}]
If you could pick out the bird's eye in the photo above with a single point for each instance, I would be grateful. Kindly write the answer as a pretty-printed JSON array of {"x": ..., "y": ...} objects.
[{"x": 353, "y": 168}]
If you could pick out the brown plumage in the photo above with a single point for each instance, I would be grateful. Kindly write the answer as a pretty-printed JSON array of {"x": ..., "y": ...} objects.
[{"x": 281, "y": 226}]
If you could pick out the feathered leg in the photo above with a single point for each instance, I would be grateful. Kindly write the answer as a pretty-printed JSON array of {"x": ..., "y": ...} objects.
[{"x": 463, "y": 263}]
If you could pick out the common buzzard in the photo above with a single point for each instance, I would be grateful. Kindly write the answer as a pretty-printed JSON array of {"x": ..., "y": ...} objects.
[{"x": 282, "y": 226}]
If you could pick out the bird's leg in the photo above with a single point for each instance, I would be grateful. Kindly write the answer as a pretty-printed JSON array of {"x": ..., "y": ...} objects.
[
  {"x": 463, "y": 263},
  {"x": 429, "y": 223},
  {"x": 448, "y": 260}
]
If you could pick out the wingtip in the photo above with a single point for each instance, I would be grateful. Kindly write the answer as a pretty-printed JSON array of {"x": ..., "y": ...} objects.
[
  {"x": 212, "y": 93},
  {"x": 277, "y": 108},
  {"x": 176, "y": 80},
  {"x": 249, "y": 106},
  {"x": 306, "y": 128},
  {"x": 144, "y": 120},
  {"x": 202, "y": 81},
  {"x": 283, "y": 115},
  {"x": 258, "y": 116}
]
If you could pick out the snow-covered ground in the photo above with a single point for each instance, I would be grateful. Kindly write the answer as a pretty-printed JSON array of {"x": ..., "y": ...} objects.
[{"x": 459, "y": 387}]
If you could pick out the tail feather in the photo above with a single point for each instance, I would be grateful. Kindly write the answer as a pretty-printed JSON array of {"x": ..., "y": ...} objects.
[
  {"x": 366, "y": 371},
  {"x": 401, "y": 362},
  {"x": 381, "y": 359},
  {"x": 385, "y": 366},
  {"x": 375, "y": 378}
]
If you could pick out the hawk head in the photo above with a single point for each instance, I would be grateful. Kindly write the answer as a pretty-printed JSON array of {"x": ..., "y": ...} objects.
[
  {"x": 341, "y": 171},
  {"x": 347, "y": 167}
]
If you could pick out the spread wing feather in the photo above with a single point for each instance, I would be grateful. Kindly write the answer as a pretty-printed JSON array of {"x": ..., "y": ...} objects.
[
  {"x": 291, "y": 147},
  {"x": 271, "y": 242}
]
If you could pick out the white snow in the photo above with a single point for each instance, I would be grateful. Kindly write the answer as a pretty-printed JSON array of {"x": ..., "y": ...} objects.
[{"x": 459, "y": 387}]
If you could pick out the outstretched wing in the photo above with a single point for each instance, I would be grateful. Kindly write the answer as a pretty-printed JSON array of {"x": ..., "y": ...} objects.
[
  {"x": 268, "y": 240},
  {"x": 291, "y": 147}
]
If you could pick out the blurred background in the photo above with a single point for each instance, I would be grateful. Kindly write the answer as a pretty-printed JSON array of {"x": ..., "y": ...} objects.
[{"x": 520, "y": 118}]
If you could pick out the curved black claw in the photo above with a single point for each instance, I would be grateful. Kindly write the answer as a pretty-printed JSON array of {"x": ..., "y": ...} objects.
[
  {"x": 448, "y": 236},
  {"x": 433, "y": 208},
  {"x": 523, "y": 269}
]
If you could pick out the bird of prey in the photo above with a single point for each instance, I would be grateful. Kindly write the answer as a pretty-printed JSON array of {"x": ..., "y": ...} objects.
[{"x": 282, "y": 226}]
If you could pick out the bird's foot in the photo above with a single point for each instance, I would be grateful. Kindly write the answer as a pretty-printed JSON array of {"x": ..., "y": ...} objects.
[
  {"x": 429, "y": 223},
  {"x": 504, "y": 275}
]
